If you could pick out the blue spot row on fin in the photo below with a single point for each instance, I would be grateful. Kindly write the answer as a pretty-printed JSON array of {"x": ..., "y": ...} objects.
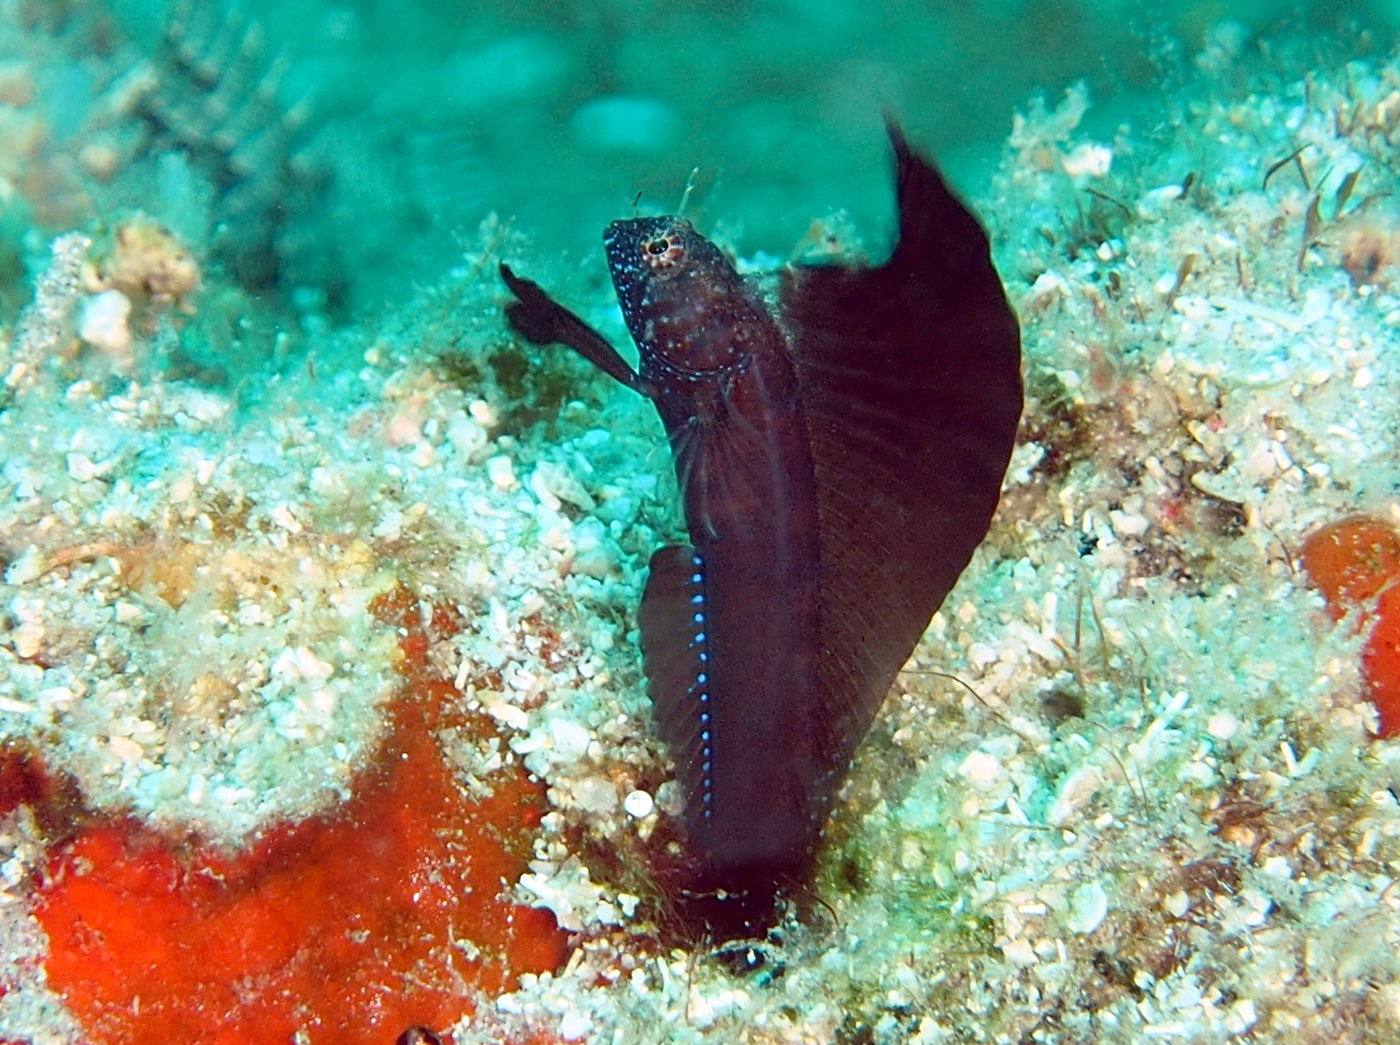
[{"x": 700, "y": 689}]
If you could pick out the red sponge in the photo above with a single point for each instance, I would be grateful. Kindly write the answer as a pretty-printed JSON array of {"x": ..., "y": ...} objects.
[
  {"x": 354, "y": 925},
  {"x": 1356, "y": 563}
]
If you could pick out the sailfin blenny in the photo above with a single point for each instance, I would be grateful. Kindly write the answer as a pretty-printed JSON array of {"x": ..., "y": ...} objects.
[{"x": 838, "y": 469}]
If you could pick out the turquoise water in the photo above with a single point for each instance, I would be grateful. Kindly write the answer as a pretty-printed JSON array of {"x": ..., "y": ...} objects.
[{"x": 426, "y": 117}]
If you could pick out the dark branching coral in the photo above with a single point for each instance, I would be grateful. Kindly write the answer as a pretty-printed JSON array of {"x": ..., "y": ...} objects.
[{"x": 215, "y": 97}]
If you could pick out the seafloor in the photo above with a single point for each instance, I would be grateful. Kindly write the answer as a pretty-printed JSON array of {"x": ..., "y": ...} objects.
[{"x": 1127, "y": 790}]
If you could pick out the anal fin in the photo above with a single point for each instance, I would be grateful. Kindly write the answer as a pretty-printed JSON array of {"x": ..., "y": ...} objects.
[{"x": 676, "y": 660}]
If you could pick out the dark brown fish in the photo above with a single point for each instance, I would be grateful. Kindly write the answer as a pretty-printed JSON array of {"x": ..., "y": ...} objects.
[{"x": 838, "y": 469}]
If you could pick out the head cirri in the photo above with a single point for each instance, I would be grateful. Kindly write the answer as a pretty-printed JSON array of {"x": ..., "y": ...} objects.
[{"x": 687, "y": 308}]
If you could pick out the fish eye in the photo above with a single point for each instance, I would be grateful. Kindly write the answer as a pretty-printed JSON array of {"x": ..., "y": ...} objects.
[{"x": 663, "y": 254}]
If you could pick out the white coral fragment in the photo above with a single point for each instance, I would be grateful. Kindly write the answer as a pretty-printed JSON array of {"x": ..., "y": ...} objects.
[
  {"x": 1088, "y": 908},
  {"x": 566, "y": 890},
  {"x": 103, "y": 323},
  {"x": 981, "y": 769},
  {"x": 501, "y": 471},
  {"x": 1076, "y": 791},
  {"x": 1088, "y": 160},
  {"x": 638, "y": 804}
]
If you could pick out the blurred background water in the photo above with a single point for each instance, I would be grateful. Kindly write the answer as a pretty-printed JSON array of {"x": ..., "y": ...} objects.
[{"x": 558, "y": 114}]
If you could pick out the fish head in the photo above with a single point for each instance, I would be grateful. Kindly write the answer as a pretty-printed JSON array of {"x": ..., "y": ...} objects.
[{"x": 688, "y": 309}]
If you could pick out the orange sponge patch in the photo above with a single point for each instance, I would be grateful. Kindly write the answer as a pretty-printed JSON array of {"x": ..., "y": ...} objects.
[
  {"x": 1356, "y": 564},
  {"x": 351, "y": 926}
]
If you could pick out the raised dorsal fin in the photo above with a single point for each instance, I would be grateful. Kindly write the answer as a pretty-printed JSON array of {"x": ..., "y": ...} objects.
[{"x": 910, "y": 381}]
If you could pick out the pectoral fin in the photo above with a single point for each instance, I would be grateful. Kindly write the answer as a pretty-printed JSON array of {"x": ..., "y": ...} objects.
[{"x": 539, "y": 319}]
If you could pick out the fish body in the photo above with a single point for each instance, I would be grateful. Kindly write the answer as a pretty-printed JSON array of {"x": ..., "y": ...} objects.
[
  {"x": 743, "y": 594},
  {"x": 837, "y": 470}
]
